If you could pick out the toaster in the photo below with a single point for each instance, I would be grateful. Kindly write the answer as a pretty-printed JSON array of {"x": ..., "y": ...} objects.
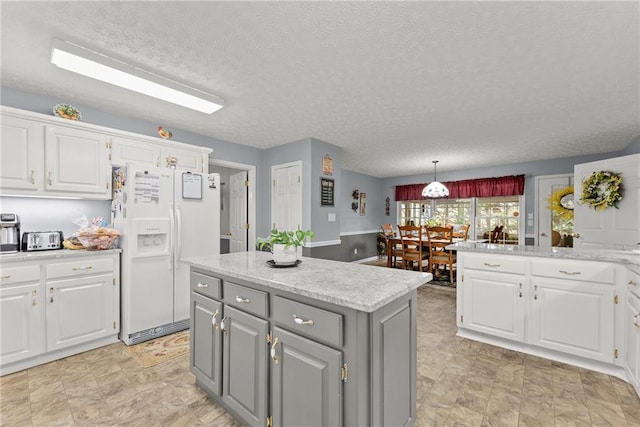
[{"x": 41, "y": 240}]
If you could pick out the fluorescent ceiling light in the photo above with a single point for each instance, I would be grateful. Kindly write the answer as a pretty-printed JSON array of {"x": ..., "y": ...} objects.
[{"x": 97, "y": 66}]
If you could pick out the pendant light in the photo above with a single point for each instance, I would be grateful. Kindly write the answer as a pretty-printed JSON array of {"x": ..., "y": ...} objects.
[{"x": 435, "y": 189}]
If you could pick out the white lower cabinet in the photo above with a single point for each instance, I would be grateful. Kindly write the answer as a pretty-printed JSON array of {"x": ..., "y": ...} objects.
[
  {"x": 21, "y": 313},
  {"x": 494, "y": 304},
  {"x": 54, "y": 308},
  {"x": 573, "y": 317},
  {"x": 632, "y": 331}
]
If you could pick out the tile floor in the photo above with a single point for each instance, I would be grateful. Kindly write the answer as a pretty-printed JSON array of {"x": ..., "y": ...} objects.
[{"x": 460, "y": 383}]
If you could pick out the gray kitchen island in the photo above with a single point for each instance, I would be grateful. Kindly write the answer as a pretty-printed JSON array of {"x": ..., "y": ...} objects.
[{"x": 324, "y": 343}]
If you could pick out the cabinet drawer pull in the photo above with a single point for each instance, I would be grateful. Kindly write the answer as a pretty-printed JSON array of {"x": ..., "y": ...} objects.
[
  {"x": 242, "y": 300},
  {"x": 631, "y": 282},
  {"x": 301, "y": 321},
  {"x": 8, "y": 276},
  {"x": 273, "y": 351},
  {"x": 82, "y": 268},
  {"x": 203, "y": 285},
  {"x": 636, "y": 320},
  {"x": 222, "y": 325},
  {"x": 214, "y": 321},
  {"x": 569, "y": 273},
  {"x": 33, "y": 179},
  {"x": 491, "y": 265}
]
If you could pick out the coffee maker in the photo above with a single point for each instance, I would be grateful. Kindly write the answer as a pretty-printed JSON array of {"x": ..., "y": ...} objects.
[{"x": 9, "y": 233}]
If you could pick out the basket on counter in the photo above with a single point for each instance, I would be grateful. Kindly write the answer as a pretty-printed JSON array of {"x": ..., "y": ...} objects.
[{"x": 98, "y": 239}]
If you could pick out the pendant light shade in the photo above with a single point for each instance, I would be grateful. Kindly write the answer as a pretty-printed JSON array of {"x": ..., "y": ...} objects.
[{"x": 435, "y": 189}]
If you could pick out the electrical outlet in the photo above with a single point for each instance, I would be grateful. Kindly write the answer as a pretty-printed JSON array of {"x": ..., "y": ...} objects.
[{"x": 355, "y": 251}]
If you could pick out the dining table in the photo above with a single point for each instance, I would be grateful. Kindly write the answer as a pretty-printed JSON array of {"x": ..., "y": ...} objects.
[{"x": 396, "y": 240}]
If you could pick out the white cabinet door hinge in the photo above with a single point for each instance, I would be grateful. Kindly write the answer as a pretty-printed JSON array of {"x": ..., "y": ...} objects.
[
  {"x": 269, "y": 336},
  {"x": 269, "y": 421},
  {"x": 462, "y": 318},
  {"x": 615, "y": 299},
  {"x": 246, "y": 183},
  {"x": 615, "y": 353}
]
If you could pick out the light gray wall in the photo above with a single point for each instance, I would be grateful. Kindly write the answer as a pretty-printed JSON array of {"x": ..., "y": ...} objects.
[
  {"x": 374, "y": 213},
  {"x": 325, "y": 231}
]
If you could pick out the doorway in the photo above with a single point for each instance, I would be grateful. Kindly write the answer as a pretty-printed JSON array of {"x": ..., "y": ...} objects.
[
  {"x": 237, "y": 205},
  {"x": 286, "y": 196},
  {"x": 551, "y": 228}
]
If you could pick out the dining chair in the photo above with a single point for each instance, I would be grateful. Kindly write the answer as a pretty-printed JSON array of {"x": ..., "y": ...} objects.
[
  {"x": 396, "y": 249},
  {"x": 412, "y": 247},
  {"x": 461, "y": 231},
  {"x": 439, "y": 238},
  {"x": 496, "y": 234}
]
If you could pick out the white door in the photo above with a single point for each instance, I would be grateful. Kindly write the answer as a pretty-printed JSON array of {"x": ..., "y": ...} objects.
[
  {"x": 610, "y": 227},
  {"x": 238, "y": 212},
  {"x": 547, "y": 220},
  {"x": 197, "y": 233},
  {"x": 286, "y": 196}
]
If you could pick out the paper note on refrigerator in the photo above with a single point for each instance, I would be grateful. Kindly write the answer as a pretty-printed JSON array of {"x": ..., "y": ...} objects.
[{"x": 146, "y": 188}]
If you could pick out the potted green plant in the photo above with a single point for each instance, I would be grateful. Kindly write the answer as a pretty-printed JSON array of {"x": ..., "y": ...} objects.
[{"x": 284, "y": 244}]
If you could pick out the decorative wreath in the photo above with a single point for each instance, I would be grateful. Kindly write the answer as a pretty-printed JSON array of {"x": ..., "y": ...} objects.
[
  {"x": 556, "y": 205},
  {"x": 602, "y": 189}
]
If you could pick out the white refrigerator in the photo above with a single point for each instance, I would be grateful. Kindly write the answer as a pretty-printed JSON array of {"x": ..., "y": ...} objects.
[{"x": 164, "y": 215}]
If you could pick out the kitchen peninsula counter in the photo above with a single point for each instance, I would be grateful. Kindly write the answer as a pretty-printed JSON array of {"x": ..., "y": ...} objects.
[
  {"x": 322, "y": 343},
  {"x": 566, "y": 304}
]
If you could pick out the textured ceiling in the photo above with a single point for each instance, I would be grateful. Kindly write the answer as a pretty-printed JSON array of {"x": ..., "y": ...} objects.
[{"x": 396, "y": 84}]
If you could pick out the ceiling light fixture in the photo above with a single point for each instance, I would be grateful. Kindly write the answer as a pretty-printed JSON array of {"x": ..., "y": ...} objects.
[
  {"x": 435, "y": 189},
  {"x": 83, "y": 61}
]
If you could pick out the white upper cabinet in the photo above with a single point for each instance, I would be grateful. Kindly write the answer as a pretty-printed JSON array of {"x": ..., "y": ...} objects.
[
  {"x": 609, "y": 227},
  {"x": 77, "y": 162},
  {"x": 125, "y": 151},
  {"x": 21, "y": 156},
  {"x": 187, "y": 160}
]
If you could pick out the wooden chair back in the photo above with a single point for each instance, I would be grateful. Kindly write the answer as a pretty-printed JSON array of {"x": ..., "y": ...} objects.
[
  {"x": 496, "y": 233},
  {"x": 439, "y": 238},
  {"x": 412, "y": 250},
  {"x": 387, "y": 230},
  {"x": 461, "y": 231}
]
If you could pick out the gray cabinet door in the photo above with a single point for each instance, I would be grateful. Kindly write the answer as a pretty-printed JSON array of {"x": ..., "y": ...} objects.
[
  {"x": 306, "y": 382},
  {"x": 206, "y": 340},
  {"x": 394, "y": 364},
  {"x": 244, "y": 375}
]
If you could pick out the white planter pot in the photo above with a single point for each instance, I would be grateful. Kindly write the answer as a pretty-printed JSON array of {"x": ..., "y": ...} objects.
[{"x": 284, "y": 255}]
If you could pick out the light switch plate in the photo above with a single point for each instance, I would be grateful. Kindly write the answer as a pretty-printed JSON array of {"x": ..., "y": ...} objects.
[{"x": 332, "y": 217}]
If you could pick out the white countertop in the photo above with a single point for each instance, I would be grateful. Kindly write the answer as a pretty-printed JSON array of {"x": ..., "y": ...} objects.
[
  {"x": 357, "y": 286},
  {"x": 53, "y": 254},
  {"x": 627, "y": 257}
]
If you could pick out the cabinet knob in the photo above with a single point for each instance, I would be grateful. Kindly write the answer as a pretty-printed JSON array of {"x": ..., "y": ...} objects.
[
  {"x": 274, "y": 357},
  {"x": 301, "y": 321}
]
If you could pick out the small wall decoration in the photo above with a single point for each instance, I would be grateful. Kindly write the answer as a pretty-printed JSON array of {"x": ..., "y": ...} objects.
[
  {"x": 387, "y": 206},
  {"x": 561, "y": 202},
  {"x": 602, "y": 189},
  {"x": 326, "y": 192},
  {"x": 356, "y": 196},
  {"x": 67, "y": 111},
  {"x": 363, "y": 203},
  {"x": 327, "y": 165}
]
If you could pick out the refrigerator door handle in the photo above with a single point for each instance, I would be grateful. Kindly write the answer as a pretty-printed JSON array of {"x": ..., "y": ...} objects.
[
  {"x": 179, "y": 234},
  {"x": 172, "y": 235}
]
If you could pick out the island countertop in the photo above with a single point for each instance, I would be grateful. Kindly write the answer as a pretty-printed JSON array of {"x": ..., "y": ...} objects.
[
  {"x": 360, "y": 287},
  {"x": 630, "y": 258}
]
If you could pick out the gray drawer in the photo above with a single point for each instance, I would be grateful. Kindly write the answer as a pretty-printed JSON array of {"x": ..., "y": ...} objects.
[
  {"x": 247, "y": 299},
  {"x": 206, "y": 285},
  {"x": 307, "y": 320}
]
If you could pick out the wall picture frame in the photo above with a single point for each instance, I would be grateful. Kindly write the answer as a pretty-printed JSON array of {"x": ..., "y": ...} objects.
[
  {"x": 327, "y": 192},
  {"x": 363, "y": 204}
]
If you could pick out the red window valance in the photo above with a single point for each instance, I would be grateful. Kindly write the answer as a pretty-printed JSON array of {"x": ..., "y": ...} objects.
[{"x": 512, "y": 185}]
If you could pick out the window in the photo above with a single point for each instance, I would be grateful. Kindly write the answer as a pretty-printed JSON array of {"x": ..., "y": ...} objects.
[
  {"x": 492, "y": 212},
  {"x": 482, "y": 213},
  {"x": 454, "y": 211},
  {"x": 417, "y": 211}
]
